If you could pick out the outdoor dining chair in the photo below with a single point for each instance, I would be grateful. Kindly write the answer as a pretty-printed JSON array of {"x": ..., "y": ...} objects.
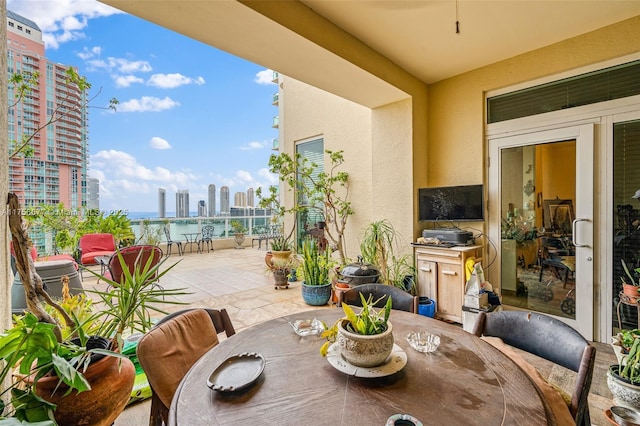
[
  {"x": 172, "y": 346},
  {"x": 400, "y": 299},
  {"x": 207, "y": 237},
  {"x": 548, "y": 338},
  {"x": 132, "y": 256},
  {"x": 170, "y": 242}
]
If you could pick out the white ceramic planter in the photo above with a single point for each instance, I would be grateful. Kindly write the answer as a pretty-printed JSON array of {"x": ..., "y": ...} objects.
[
  {"x": 623, "y": 393},
  {"x": 365, "y": 351}
]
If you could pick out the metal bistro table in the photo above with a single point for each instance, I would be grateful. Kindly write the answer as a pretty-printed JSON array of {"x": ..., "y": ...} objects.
[
  {"x": 191, "y": 237},
  {"x": 465, "y": 382}
]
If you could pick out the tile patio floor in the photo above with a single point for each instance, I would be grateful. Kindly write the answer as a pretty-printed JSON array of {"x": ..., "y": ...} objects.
[{"x": 238, "y": 281}]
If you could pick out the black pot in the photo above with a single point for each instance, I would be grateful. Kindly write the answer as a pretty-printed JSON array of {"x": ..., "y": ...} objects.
[{"x": 359, "y": 273}]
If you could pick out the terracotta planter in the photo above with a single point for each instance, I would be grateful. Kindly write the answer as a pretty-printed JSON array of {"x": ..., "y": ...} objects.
[
  {"x": 631, "y": 291},
  {"x": 365, "y": 351},
  {"x": 267, "y": 259},
  {"x": 281, "y": 255},
  {"x": 111, "y": 381}
]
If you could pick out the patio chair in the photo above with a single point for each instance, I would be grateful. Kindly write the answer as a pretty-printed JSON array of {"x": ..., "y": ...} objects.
[
  {"x": 401, "y": 300},
  {"x": 170, "y": 242},
  {"x": 132, "y": 256},
  {"x": 172, "y": 346},
  {"x": 548, "y": 338},
  {"x": 207, "y": 237},
  {"x": 93, "y": 246}
]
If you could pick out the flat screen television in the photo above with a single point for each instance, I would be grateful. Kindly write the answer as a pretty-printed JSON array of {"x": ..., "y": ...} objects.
[{"x": 453, "y": 203}]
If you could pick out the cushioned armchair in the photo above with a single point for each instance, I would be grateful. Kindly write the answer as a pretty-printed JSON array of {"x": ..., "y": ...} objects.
[
  {"x": 91, "y": 246},
  {"x": 548, "y": 338}
]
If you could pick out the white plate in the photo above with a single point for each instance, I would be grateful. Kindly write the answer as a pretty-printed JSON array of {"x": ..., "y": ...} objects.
[{"x": 394, "y": 363}]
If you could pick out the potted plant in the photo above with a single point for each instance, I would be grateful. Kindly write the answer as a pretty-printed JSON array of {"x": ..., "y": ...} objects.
[
  {"x": 238, "y": 230},
  {"x": 630, "y": 285},
  {"x": 365, "y": 339},
  {"x": 623, "y": 379},
  {"x": 378, "y": 247},
  {"x": 73, "y": 371},
  {"x": 281, "y": 268},
  {"x": 316, "y": 265}
]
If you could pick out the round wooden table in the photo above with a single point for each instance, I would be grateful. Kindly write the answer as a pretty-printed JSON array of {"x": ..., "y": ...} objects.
[{"x": 465, "y": 382}]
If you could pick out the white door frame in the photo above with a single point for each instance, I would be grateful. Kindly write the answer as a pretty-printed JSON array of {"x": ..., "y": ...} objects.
[{"x": 583, "y": 134}]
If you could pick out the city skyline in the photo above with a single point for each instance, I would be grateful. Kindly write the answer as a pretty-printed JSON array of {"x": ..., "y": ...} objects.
[
  {"x": 189, "y": 114},
  {"x": 244, "y": 199}
]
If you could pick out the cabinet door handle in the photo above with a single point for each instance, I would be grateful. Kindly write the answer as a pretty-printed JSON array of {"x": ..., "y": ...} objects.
[
  {"x": 449, "y": 273},
  {"x": 427, "y": 269}
]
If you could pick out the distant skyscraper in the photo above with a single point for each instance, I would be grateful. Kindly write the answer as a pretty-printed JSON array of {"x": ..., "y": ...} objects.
[
  {"x": 182, "y": 203},
  {"x": 202, "y": 208},
  {"x": 251, "y": 198},
  {"x": 224, "y": 200},
  {"x": 93, "y": 189},
  {"x": 212, "y": 200},
  {"x": 162, "y": 203},
  {"x": 240, "y": 199}
]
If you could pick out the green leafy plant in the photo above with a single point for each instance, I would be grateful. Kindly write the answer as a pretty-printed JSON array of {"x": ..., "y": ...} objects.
[
  {"x": 325, "y": 193},
  {"x": 129, "y": 304},
  {"x": 378, "y": 247},
  {"x": 150, "y": 234},
  {"x": 632, "y": 280},
  {"x": 316, "y": 264},
  {"x": 367, "y": 322},
  {"x": 280, "y": 243},
  {"x": 629, "y": 366},
  {"x": 237, "y": 227}
]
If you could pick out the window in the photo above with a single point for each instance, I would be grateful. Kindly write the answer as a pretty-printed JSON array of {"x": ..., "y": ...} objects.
[{"x": 313, "y": 151}]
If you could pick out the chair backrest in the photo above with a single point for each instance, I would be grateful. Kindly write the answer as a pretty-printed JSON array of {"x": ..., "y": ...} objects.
[
  {"x": 548, "y": 338},
  {"x": 400, "y": 299},
  {"x": 90, "y": 243},
  {"x": 169, "y": 350},
  {"x": 219, "y": 318},
  {"x": 132, "y": 256},
  {"x": 207, "y": 232},
  {"x": 167, "y": 232}
]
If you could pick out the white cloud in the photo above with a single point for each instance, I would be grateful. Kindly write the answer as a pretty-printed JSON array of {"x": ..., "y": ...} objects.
[
  {"x": 61, "y": 21},
  {"x": 170, "y": 81},
  {"x": 264, "y": 77},
  {"x": 159, "y": 143},
  {"x": 89, "y": 53},
  {"x": 122, "y": 176},
  {"x": 126, "y": 80},
  {"x": 118, "y": 65},
  {"x": 148, "y": 103},
  {"x": 253, "y": 145}
]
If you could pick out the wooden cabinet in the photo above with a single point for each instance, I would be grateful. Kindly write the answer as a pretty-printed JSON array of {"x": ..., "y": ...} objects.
[{"x": 441, "y": 276}]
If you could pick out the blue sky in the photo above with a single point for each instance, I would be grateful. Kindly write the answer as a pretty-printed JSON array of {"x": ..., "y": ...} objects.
[{"x": 189, "y": 114}]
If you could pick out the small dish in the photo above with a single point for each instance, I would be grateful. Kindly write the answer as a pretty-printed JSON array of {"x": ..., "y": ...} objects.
[
  {"x": 423, "y": 341},
  {"x": 307, "y": 327},
  {"x": 236, "y": 372},
  {"x": 394, "y": 363},
  {"x": 625, "y": 416}
]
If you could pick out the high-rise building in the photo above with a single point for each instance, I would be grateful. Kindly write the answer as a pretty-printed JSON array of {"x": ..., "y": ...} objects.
[
  {"x": 224, "y": 200},
  {"x": 57, "y": 171},
  {"x": 212, "y": 200},
  {"x": 93, "y": 193},
  {"x": 251, "y": 198},
  {"x": 240, "y": 199},
  {"x": 182, "y": 203},
  {"x": 202, "y": 208},
  {"x": 162, "y": 203}
]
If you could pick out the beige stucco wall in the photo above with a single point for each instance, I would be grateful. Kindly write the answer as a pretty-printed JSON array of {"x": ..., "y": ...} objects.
[
  {"x": 307, "y": 112},
  {"x": 456, "y": 150}
]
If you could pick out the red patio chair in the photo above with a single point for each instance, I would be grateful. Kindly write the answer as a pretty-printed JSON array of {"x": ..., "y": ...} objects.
[{"x": 91, "y": 246}]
